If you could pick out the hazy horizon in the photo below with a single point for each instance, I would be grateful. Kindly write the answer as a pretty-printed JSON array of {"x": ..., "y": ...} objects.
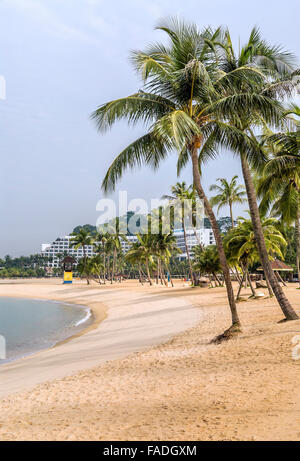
[{"x": 60, "y": 60}]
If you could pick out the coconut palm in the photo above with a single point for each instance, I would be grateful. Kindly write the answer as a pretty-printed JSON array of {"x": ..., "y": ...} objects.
[
  {"x": 277, "y": 66},
  {"x": 136, "y": 257},
  {"x": 241, "y": 244},
  {"x": 143, "y": 250},
  {"x": 182, "y": 193},
  {"x": 95, "y": 267},
  {"x": 184, "y": 103},
  {"x": 115, "y": 242},
  {"x": 207, "y": 262},
  {"x": 228, "y": 193},
  {"x": 82, "y": 239},
  {"x": 278, "y": 184},
  {"x": 100, "y": 249},
  {"x": 164, "y": 246}
]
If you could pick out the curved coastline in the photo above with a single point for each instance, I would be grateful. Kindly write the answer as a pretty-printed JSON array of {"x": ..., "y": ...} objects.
[
  {"x": 138, "y": 318},
  {"x": 97, "y": 314}
]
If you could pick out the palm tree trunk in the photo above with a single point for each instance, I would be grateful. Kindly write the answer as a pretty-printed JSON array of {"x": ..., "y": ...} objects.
[
  {"x": 197, "y": 237},
  {"x": 240, "y": 287},
  {"x": 108, "y": 266},
  {"x": 84, "y": 264},
  {"x": 217, "y": 280},
  {"x": 163, "y": 274},
  {"x": 217, "y": 235},
  {"x": 187, "y": 251},
  {"x": 113, "y": 266},
  {"x": 231, "y": 215},
  {"x": 250, "y": 284},
  {"x": 157, "y": 271},
  {"x": 148, "y": 272},
  {"x": 160, "y": 273},
  {"x": 171, "y": 280},
  {"x": 297, "y": 229},
  {"x": 271, "y": 294},
  {"x": 104, "y": 266},
  {"x": 283, "y": 302},
  {"x": 140, "y": 276},
  {"x": 280, "y": 279},
  {"x": 237, "y": 274}
]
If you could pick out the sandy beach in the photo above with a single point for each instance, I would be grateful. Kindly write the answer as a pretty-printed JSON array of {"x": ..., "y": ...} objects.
[{"x": 145, "y": 370}]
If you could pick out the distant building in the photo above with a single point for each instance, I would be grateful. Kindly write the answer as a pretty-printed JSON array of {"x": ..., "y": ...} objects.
[
  {"x": 62, "y": 245},
  {"x": 203, "y": 237}
]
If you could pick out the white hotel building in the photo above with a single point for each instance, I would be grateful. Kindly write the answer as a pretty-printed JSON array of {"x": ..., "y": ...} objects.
[
  {"x": 62, "y": 245},
  {"x": 203, "y": 237}
]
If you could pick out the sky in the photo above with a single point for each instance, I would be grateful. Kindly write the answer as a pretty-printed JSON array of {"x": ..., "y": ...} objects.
[{"x": 63, "y": 58}]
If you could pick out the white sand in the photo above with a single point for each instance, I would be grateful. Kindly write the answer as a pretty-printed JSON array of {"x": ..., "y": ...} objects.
[
  {"x": 136, "y": 319},
  {"x": 184, "y": 389}
]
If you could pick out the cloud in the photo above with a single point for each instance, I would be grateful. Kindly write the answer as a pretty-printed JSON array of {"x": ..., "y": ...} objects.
[{"x": 40, "y": 14}]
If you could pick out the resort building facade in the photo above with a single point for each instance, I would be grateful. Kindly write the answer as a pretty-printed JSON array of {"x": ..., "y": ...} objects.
[{"x": 62, "y": 245}]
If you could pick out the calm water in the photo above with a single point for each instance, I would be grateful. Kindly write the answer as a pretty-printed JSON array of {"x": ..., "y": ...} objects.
[{"x": 29, "y": 325}]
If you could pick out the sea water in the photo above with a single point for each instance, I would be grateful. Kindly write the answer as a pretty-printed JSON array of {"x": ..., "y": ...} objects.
[{"x": 28, "y": 326}]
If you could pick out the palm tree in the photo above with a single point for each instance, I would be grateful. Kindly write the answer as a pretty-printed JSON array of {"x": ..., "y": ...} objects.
[
  {"x": 241, "y": 245},
  {"x": 181, "y": 192},
  {"x": 143, "y": 250},
  {"x": 275, "y": 70},
  {"x": 165, "y": 246},
  {"x": 82, "y": 239},
  {"x": 116, "y": 237},
  {"x": 135, "y": 256},
  {"x": 100, "y": 250},
  {"x": 228, "y": 193},
  {"x": 278, "y": 184},
  {"x": 207, "y": 261},
  {"x": 185, "y": 103}
]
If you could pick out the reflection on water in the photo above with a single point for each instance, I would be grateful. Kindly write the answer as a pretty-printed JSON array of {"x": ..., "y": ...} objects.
[{"x": 31, "y": 325}]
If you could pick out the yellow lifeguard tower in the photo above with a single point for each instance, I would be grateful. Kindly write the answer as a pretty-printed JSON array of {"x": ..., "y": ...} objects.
[{"x": 68, "y": 263}]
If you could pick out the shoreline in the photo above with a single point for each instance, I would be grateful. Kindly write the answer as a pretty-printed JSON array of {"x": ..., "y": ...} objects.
[
  {"x": 134, "y": 323},
  {"x": 97, "y": 316}
]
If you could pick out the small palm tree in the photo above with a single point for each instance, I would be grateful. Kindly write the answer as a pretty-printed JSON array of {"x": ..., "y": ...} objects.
[
  {"x": 228, "y": 193},
  {"x": 181, "y": 192},
  {"x": 241, "y": 245},
  {"x": 165, "y": 246},
  {"x": 136, "y": 257},
  {"x": 143, "y": 250},
  {"x": 82, "y": 239},
  {"x": 115, "y": 238},
  {"x": 207, "y": 262}
]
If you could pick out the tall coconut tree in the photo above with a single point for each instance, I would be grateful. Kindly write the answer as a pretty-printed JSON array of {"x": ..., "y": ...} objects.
[
  {"x": 190, "y": 104},
  {"x": 228, "y": 193},
  {"x": 277, "y": 67},
  {"x": 278, "y": 184},
  {"x": 184, "y": 104}
]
